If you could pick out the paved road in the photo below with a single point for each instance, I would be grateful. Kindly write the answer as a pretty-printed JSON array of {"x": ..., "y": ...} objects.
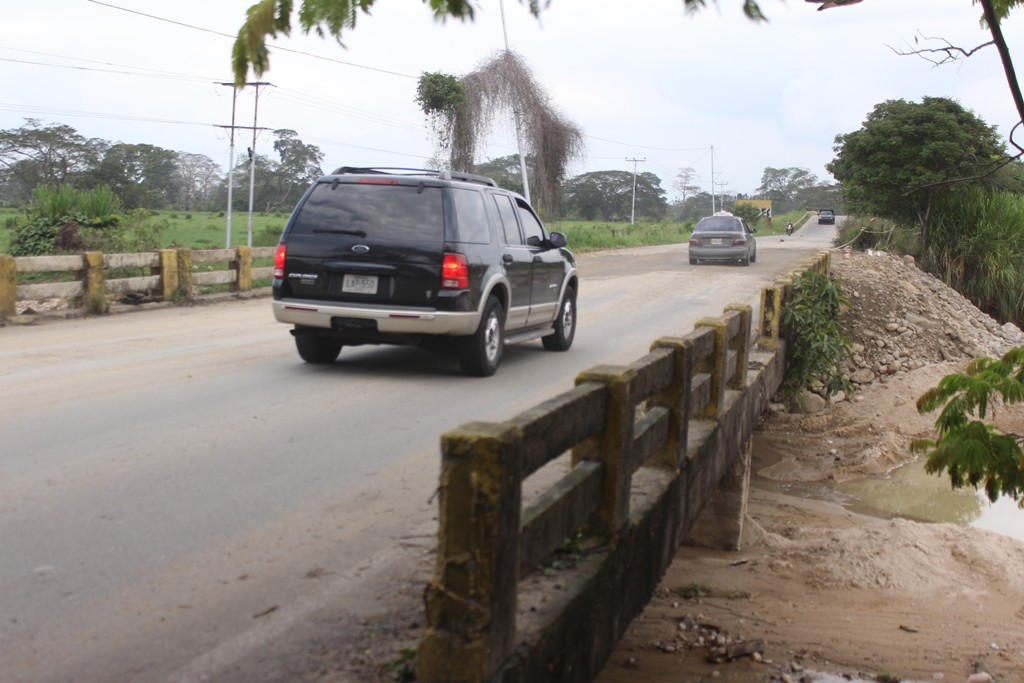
[{"x": 178, "y": 490}]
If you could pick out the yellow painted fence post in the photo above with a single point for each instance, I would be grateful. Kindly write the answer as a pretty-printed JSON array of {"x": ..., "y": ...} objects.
[{"x": 8, "y": 285}]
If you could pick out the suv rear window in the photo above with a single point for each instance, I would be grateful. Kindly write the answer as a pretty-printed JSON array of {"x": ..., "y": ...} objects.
[
  {"x": 719, "y": 224},
  {"x": 380, "y": 212}
]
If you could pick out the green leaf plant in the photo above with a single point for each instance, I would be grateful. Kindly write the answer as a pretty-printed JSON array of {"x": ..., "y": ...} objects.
[
  {"x": 971, "y": 450},
  {"x": 815, "y": 341}
]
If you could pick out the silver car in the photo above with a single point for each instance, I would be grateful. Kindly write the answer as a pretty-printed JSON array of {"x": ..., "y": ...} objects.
[{"x": 723, "y": 237}]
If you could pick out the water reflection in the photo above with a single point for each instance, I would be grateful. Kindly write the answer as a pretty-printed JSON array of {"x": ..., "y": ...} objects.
[{"x": 911, "y": 493}]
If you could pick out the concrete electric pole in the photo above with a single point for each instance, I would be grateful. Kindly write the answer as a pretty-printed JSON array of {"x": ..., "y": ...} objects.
[{"x": 632, "y": 213}]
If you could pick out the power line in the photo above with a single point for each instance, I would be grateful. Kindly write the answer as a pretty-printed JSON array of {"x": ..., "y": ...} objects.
[{"x": 275, "y": 47}]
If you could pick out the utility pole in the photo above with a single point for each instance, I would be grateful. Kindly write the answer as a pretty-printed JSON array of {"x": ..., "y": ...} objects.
[
  {"x": 632, "y": 213},
  {"x": 252, "y": 159},
  {"x": 721, "y": 185},
  {"x": 712, "y": 180},
  {"x": 231, "y": 161},
  {"x": 515, "y": 115},
  {"x": 231, "y": 158}
]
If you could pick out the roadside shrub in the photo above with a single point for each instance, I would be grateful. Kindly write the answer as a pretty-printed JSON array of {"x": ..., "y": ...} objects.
[
  {"x": 871, "y": 232},
  {"x": 99, "y": 206},
  {"x": 34, "y": 237},
  {"x": 815, "y": 342},
  {"x": 977, "y": 248}
]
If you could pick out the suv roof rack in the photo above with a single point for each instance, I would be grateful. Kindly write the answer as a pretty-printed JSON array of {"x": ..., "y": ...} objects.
[{"x": 394, "y": 170}]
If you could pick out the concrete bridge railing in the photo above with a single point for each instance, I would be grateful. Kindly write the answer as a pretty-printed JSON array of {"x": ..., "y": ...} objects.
[
  {"x": 167, "y": 273},
  {"x": 649, "y": 447}
]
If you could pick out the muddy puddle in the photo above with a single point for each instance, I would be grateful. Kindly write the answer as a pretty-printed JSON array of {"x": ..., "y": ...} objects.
[{"x": 908, "y": 492}]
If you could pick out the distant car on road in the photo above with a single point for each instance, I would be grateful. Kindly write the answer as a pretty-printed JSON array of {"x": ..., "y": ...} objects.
[
  {"x": 826, "y": 217},
  {"x": 723, "y": 237}
]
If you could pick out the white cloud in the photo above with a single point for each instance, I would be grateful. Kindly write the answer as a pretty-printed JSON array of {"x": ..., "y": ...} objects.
[{"x": 642, "y": 80}]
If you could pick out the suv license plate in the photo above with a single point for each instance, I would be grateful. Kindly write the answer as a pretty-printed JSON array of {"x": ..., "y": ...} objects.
[
  {"x": 359, "y": 284},
  {"x": 716, "y": 241}
]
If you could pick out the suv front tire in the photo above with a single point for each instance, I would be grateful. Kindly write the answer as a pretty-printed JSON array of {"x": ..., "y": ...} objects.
[{"x": 565, "y": 324}]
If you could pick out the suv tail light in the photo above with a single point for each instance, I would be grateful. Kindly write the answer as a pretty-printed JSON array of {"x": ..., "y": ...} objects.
[
  {"x": 739, "y": 241},
  {"x": 279, "y": 261},
  {"x": 454, "y": 272}
]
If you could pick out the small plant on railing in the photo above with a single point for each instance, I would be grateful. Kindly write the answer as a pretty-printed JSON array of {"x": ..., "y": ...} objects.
[
  {"x": 181, "y": 296},
  {"x": 96, "y": 304},
  {"x": 403, "y": 667},
  {"x": 815, "y": 342}
]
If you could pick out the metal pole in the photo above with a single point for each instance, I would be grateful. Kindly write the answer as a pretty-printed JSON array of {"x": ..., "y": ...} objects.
[
  {"x": 231, "y": 161},
  {"x": 515, "y": 115},
  {"x": 252, "y": 159}
]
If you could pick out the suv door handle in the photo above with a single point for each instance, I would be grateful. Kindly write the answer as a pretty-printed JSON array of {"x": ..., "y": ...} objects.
[
  {"x": 507, "y": 258},
  {"x": 537, "y": 259}
]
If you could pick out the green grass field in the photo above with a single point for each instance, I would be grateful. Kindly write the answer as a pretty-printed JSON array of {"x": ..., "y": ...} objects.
[{"x": 207, "y": 230}]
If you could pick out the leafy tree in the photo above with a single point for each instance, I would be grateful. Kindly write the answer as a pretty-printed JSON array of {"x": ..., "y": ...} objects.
[
  {"x": 143, "y": 176},
  {"x": 505, "y": 171},
  {"x": 608, "y": 196},
  {"x": 825, "y": 196},
  {"x": 35, "y": 155},
  {"x": 748, "y": 212},
  {"x": 904, "y": 156},
  {"x": 971, "y": 451},
  {"x": 781, "y": 185},
  {"x": 693, "y": 208},
  {"x": 300, "y": 165}
]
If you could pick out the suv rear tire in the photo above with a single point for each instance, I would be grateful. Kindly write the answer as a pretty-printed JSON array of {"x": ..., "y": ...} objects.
[
  {"x": 316, "y": 349},
  {"x": 565, "y": 324},
  {"x": 480, "y": 354}
]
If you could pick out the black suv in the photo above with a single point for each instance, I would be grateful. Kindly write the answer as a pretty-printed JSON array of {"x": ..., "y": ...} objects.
[
  {"x": 439, "y": 259},
  {"x": 826, "y": 216}
]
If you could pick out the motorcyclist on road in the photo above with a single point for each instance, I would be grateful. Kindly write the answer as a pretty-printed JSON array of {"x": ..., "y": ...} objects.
[{"x": 789, "y": 228}]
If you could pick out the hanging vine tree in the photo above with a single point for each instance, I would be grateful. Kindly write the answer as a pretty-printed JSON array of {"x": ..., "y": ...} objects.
[{"x": 464, "y": 110}]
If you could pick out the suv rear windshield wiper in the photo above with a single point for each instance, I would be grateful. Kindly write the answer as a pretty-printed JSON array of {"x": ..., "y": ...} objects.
[{"x": 355, "y": 233}]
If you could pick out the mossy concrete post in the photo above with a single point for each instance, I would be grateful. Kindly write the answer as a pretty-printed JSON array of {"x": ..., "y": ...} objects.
[
  {"x": 611, "y": 447},
  {"x": 93, "y": 264},
  {"x": 242, "y": 265},
  {"x": 716, "y": 367},
  {"x": 740, "y": 344},
  {"x": 676, "y": 397},
  {"x": 773, "y": 298},
  {"x": 168, "y": 273},
  {"x": 185, "y": 272},
  {"x": 8, "y": 285},
  {"x": 471, "y": 601},
  {"x": 822, "y": 264}
]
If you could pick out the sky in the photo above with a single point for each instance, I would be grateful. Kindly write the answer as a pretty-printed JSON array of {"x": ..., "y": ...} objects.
[{"x": 642, "y": 80}]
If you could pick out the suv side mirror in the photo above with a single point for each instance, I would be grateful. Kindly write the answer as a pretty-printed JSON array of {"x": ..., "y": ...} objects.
[{"x": 557, "y": 240}]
